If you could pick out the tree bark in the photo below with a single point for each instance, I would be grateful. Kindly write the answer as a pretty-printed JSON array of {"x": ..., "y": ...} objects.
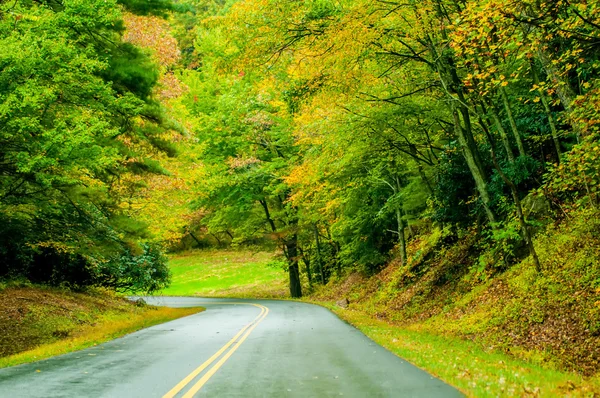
[
  {"x": 565, "y": 93},
  {"x": 217, "y": 239},
  {"x": 476, "y": 172},
  {"x": 400, "y": 221},
  {"x": 511, "y": 120},
  {"x": 503, "y": 135},
  {"x": 453, "y": 86},
  {"x": 268, "y": 215},
  {"x": 319, "y": 260},
  {"x": 308, "y": 271},
  {"x": 548, "y": 111},
  {"x": 196, "y": 239},
  {"x": 306, "y": 261},
  {"x": 424, "y": 178},
  {"x": 293, "y": 271}
]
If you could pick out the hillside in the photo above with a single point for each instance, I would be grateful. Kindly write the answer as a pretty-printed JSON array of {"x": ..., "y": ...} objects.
[
  {"x": 37, "y": 322},
  {"x": 549, "y": 320}
]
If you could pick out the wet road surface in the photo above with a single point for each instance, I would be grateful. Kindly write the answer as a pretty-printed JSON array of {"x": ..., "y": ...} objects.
[{"x": 236, "y": 348}]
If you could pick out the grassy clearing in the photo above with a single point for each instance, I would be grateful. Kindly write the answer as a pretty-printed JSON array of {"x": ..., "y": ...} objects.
[
  {"x": 38, "y": 323},
  {"x": 226, "y": 273},
  {"x": 476, "y": 372}
]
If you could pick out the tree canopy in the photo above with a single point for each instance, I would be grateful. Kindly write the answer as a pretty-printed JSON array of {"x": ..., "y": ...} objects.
[
  {"x": 348, "y": 127},
  {"x": 335, "y": 131}
]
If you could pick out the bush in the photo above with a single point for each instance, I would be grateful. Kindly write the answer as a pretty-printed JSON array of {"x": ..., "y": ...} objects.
[{"x": 144, "y": 270}]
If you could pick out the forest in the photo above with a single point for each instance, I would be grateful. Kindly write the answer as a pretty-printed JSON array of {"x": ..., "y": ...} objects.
[{"x": 337, "y": 132}]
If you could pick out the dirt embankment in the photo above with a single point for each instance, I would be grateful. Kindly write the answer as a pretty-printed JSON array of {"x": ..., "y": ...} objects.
[{"x": 38, "y": 322}]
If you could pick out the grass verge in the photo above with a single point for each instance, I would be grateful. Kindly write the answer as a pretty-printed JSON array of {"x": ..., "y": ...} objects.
[
  {"x": 463, "y": 364},
  {"x": 227, "y": 273},
  {"x": 38, "y": 323}
]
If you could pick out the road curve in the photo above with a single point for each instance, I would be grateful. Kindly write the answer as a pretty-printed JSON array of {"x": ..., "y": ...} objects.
[{"x": 236, "y": 348}]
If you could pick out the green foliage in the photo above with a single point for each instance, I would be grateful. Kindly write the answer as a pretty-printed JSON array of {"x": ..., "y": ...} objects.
[
  {"x": 368, "y": 122},
  {"x": 77, "y": 119},
  {"x": 145, "y": 7},
  {"x": 452, "y": 201},
  {"x": 145, "y": 272}
]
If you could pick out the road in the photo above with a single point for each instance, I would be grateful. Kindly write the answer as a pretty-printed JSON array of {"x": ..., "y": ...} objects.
[{"x": 236, "y": 348}]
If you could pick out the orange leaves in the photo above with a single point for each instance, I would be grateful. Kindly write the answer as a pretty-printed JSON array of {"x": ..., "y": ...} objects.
[
  {"x": 152, "y": 33},
  {"x": 170, "y": 87}
]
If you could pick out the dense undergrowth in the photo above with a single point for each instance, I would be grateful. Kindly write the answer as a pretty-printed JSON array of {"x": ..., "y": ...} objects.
[{"x": 551, "y": 318}]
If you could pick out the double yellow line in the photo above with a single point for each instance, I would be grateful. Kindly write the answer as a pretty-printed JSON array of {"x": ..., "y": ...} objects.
[{"x": 244, "y": 333}]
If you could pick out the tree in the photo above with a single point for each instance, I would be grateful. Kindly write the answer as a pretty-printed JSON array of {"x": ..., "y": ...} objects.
[{"x": 76, "y": 116}]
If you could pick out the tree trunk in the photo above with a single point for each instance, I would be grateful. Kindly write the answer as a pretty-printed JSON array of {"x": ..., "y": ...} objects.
[
  {"x": 217, "y": 239},
  {"x": 424, "y": 178},
  {"x": 400, "y": 221},
  {"x": 511, "y": 120},
  {"x": 476, "y": 171},
  {"x": 503, "y": 135},
  {"x": 548, "y": 111},
  {"x": 319, "y": 260},
  {"x": 453, "y": 86},
  {"x": 290, "y": 247},
  {"x": 401, "y": 237},
  {"x": 565, "y": 93},
  {"x": 196, "y": 239},
  {"x": 306, "y": 261},
  {"x": 268, "y": 215},
  {"x": 294, "y": 274}
]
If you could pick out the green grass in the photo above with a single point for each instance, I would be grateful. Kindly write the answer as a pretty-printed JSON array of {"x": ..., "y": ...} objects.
[{"x": 226, "y": 273}]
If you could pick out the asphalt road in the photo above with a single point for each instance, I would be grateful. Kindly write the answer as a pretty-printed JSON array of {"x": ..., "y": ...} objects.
[{"x": 250, "y": 349}]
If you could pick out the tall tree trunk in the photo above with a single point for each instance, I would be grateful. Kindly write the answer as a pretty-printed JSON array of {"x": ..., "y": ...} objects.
[
  {"x": 503, "y": 135},
  {"x": 511, "y": 120},
  {"x": 400, "y": 221},
  {"x": 217, "y": 239},
  {"x": 268, "y": 215},
  {"x": 548, "y": 111},
  {"x": 564, "y": 91},
  {"x": 290, "y": 248},
  {"x": 476, "y": 171},
  {"x": 306, "y": 261},
  {"x": 453, "y": 86},
  {"x": 196, "y": 239},
  {"x": 308, "y": 271},
  {"x": 319, "y": 259},
  {"x": 294, "y": 273},
  {"x": 424, "y": 178},
  {"x": 401, "y": 237}
]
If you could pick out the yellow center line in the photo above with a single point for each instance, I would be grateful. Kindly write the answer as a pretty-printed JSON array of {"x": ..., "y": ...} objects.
[
  {"x": 181, "y": 385},
  {"x": 216, "y": 367}
]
